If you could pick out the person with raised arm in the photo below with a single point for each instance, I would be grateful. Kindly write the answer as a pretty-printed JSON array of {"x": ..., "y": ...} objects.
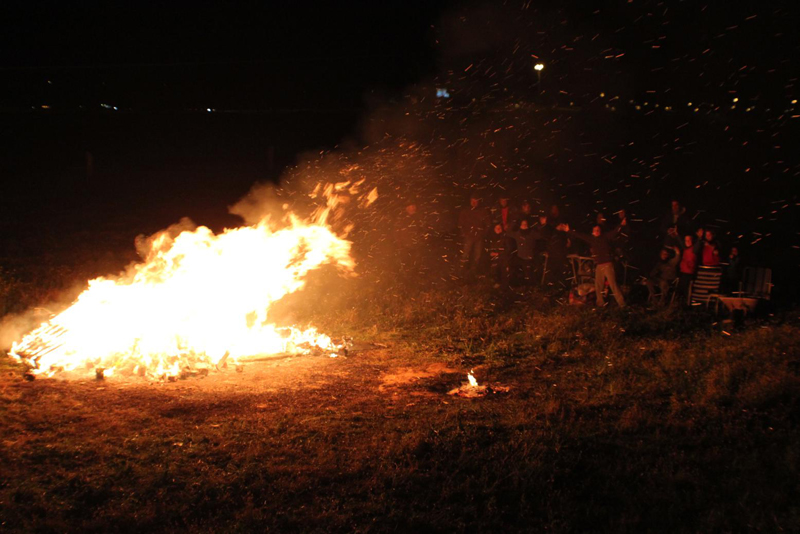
[{"x": 601, "y": 250}]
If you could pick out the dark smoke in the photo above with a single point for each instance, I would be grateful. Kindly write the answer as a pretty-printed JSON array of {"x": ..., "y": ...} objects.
[{"x": 605, "y": 127}]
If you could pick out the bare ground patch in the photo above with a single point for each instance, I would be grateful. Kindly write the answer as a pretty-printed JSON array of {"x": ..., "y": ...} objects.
[{"x": 404, "y": 376}]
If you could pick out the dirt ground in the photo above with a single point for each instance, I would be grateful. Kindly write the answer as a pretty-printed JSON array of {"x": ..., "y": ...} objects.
[
  {"x": 86, "y": 404},
  {"x": 74, "y": 443},
  {"x": 663, "y": 434}
]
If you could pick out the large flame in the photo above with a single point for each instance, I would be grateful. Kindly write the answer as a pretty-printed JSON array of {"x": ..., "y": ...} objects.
[{"x": 196, "y": 301}]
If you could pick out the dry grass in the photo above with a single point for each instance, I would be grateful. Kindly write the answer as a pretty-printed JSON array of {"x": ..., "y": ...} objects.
[{"x": 614, "y": 422}]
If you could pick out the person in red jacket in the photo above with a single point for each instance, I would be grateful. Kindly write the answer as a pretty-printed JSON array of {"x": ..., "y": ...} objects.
[
  {"x": 600, "y": 245},
  {"x": 710, "y": 256},
  {"x": 687, "y": 267},
  {"x": 689, "y": 256},
  {"x": 504, "y": 214}
]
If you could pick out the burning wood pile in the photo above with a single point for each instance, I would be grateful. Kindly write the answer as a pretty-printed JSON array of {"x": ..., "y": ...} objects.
[{"x": 198, "y": 302}]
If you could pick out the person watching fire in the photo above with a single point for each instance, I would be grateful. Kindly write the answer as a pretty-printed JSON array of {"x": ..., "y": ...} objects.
[
  {"x": 505, "y": 214},
  {"x": 687, "y": 268},
  {"x": 601, "y": 249},
  {"x": 526, "y": 238},
  {"x": 474, "y": 222},
  {"x": 710, "y": 250},
  {"x": 500, "y": 248},
  {"x": 557, "y": 249},
  {"x": 663, "y": 273}
]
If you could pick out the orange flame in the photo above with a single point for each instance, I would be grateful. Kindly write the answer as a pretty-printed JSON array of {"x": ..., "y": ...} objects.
[
  {"x": 472, "y": 381},
  {"x": 197, "y": 300}
]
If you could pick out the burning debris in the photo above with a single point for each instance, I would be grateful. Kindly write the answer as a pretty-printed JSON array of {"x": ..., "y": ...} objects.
[
  {"x": 197, "y": 302},
  {"x": 471, "y": 389}
]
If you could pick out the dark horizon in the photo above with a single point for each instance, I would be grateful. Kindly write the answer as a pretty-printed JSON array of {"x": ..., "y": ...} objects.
[{"x": 129, "y": 118}]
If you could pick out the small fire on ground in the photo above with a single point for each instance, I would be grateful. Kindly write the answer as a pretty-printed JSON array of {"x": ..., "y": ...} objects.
[
  {"x": 471, "y": 389},
  {"x": 198, "y": 301}
]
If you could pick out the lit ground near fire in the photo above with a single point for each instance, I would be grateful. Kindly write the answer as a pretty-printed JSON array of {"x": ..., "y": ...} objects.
[{"x": 613, "y": 422}]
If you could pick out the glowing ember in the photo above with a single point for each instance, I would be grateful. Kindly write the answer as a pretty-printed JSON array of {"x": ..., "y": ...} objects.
[{"x": 198, "y": 300}]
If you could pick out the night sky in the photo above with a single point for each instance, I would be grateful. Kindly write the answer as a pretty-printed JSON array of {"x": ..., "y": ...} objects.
[
  {"x": 195, "y": 55},
  {"x": 184, "y": 106},
  {"x": 191, "y": 55}
]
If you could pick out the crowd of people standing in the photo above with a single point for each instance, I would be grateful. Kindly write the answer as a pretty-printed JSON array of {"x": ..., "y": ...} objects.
[
  {"x": 686, "y": 248},
  {"x": 516, "y": 246}
]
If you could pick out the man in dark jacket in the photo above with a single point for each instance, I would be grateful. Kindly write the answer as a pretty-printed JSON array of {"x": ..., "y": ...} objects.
[
  {"x": 557, "y": 250},
  {"x": 474, "y": 222},
  {"x": 500, "y": 248},
  {"x": 732, "y": 273},
  {"x": 601, "y": 248},
  {"x": 526, "y": 238}
]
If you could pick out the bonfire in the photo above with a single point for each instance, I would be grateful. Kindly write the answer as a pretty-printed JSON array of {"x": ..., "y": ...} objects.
[{"x": 198, "y": 301}]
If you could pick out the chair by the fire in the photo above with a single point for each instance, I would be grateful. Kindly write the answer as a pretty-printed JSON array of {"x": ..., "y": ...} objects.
[
  {"x": 705, "y": 286},
  {"x": 582, "y": 269},
  {"x": 756, "y": 283},
  {"x": 672, "y": 291}
]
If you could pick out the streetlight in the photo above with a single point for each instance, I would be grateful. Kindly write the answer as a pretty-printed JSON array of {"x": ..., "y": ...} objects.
[{"x": 538, "y": 68}]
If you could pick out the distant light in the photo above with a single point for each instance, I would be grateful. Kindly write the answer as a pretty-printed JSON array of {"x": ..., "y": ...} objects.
[
  {"x": 538, "y": 66},
  {"x": 794, "y": 101},
  {"x": 689, "y": 104},
  {"x": 208, "y": 109},
  {"x": 696, "y": 110},
  {"x": 442, "y": 93},
  {"x": 735, "y": 100},
  {"x": 45, "y": 106},
  {"x": 638, "y": 107},
  {"x": 116, "y": 108},
  {"x": 602, "y": 95}
]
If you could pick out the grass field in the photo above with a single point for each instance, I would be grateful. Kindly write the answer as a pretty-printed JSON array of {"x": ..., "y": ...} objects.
[{"x": 622, "y": 421}]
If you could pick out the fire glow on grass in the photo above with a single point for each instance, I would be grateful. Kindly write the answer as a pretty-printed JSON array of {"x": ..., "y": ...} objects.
[{"x": 197, "y": 300}]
